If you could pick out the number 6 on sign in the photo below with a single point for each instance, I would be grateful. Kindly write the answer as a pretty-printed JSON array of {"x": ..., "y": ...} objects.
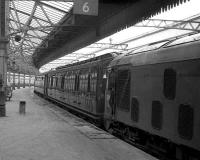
[{"x": 86, "y": 7}]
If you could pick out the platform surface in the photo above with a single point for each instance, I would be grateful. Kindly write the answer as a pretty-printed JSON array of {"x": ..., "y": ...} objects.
[{"x": 47, "y": 133}]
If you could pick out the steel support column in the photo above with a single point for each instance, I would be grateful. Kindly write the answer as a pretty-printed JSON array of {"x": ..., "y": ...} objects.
[
  {"x": 29, "y": 80},
  {"x": 8, "y": 76},
  {"x": 18, "y": 86},
  {"x": 24, "y": 81},
  {"x": 13, "y": 87},
  {"x": 3, "y": 55}
]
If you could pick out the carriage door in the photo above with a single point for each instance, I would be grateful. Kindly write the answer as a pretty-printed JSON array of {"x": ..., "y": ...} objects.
[{"x": 46, "y": 85}]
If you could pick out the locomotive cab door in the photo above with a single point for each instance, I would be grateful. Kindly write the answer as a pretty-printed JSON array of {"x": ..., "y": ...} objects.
[{"x": 110, "y": 95}]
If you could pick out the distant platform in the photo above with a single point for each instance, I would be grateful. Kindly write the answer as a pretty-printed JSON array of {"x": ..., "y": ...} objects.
[{"x": 46, "y": 132}]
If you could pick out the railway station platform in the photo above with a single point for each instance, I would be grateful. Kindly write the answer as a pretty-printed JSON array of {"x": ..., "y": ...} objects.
[{"x": 46, "y": 132}]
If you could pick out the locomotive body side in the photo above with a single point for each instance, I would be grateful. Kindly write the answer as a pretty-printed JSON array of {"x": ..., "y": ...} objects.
[{"x": 157, "y": 92}]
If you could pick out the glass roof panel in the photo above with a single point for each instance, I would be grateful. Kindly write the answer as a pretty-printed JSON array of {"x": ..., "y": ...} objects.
[
  {"x": 54, "y": 15},
  {"x": 12, "y": 14},
  {"x": 13, "y": 25},
  {"x": 24, "y": 6},
  {"x": 34, "y": 23},
  {"x": 65, "y": 7},
  {"x": 39, "y": 14},
  {"x": 29, "y": 20},
  {"x": 42, "y": 23},
  {"x": 22, "y": 18}
]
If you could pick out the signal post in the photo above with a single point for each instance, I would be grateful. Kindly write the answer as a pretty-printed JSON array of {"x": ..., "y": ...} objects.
[{"x": 4, "y": 11}]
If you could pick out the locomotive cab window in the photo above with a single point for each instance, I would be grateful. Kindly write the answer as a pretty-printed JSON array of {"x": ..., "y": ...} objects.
[{"x": 169, "y": 86}]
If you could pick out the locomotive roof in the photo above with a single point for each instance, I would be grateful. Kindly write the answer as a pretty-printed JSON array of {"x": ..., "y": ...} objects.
[{"x": 165, "y": 54}]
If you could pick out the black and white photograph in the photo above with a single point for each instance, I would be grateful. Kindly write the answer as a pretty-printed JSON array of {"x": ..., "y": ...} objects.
[{"x": 99, "y": 79}]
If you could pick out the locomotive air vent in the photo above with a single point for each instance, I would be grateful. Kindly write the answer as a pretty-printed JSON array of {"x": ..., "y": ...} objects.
[
  {"x": 157, "y": 115},
  {"x": 134, "y": 109},
  {"x": 185, "y": 121},
  {"x": 123, "y": 89},
  {"x": 169, "y": 86}
]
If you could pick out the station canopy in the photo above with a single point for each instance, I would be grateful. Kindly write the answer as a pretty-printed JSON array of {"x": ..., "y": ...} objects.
[
  {"x": 172, "y": 27},
  {"x": 31, "y": 21}
]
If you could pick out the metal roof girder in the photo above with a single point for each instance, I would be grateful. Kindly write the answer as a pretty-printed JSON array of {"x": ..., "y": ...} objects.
[
  {"x": 121, "y": 46},
  {"x": 34, "y": 17},
  {"x": 16, "y": 22},
  {"x": 53, "y": 7},
  {"x": 174, "y": 24},
  {"x": 16, "y": 13},
  {"x": 43, "y": 10},
  {"x": 25, "y": 27}
]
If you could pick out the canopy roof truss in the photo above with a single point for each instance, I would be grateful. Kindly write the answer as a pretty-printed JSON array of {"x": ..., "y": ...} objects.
[
  {"x": 30, "y": 22},
  {"x": 190, "y": 32}
]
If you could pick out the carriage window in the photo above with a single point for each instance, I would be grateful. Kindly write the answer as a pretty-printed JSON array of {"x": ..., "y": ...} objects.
[
  {"x": 66, "y": 83},
  {"x": 81, "y": 82},
  {"x": 169, "y": 87},
  {"x": 88, "y": 84},
  {"x": 81, "y": 87},
  {"x": 72, "y": 82},
  {"x": 77, "y": 83},
  {"x": 84, "y": 82},
  {"x": 123, "y": 89},
  {"x": 62, "y": 82},
  {"x": 56, "y": 82},
  {"x": 52, "y": 81},
  {"x": 93, "y": 82},
  {"x": 49, "y": 81}
]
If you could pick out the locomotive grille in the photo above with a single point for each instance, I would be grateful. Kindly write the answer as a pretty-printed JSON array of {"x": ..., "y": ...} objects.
[
  {"x": 185, "y": 121},
  {"x": 123, "y": 89},
  {"x": 169, "y": 88},
  {"x": 134, "y": 109},
  {"x": 157, "y": 115}
]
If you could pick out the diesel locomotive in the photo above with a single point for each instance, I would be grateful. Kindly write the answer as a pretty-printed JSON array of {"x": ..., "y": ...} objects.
[{"x": 150, "y": 97}]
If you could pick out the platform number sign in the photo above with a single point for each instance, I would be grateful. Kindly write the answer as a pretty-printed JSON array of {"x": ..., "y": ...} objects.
[{"x": 86, "y": 7}]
